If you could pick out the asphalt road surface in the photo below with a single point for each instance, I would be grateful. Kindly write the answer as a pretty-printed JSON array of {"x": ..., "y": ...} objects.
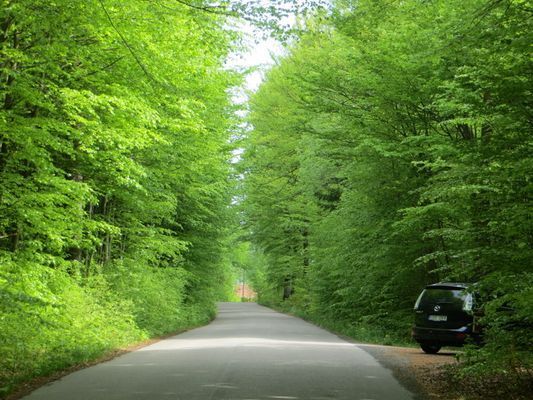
[{"x": 248, "y": 353}]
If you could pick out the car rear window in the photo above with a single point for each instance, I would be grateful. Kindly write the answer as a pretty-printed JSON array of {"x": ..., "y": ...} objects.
[{"x": 442, "y": 296}]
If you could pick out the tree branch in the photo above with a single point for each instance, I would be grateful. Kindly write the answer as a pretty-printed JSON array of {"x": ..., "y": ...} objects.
[
  {"x": 126, "y": 44},
  {"x": 104, "y": 67},
  {"x": 210, "y": 9}
]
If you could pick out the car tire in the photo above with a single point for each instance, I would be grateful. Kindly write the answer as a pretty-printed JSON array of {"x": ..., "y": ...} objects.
[{"x": 430, "y": 348}]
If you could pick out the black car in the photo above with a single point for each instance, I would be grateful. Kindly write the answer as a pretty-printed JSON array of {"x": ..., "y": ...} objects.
[{"x": 444, "y": 316}]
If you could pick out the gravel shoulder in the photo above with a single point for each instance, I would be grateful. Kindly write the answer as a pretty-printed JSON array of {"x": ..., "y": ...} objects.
[
  {"x": 419, "y": 372},
  {"x": 431, "y": 377}
]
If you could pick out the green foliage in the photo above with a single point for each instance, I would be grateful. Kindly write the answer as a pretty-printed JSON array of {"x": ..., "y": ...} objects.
[
  {"x": 390, "y": 149},
  {"x": 49, "y": 321},
  {"x": 266, "y": 16},
  {"x": 114, "y": 190}
]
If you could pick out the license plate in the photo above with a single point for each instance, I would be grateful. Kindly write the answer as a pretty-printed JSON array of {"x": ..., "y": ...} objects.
[{"x": 438, "y": 317}]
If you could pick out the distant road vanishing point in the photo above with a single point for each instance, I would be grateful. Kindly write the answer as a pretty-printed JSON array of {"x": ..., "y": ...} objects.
[{"x": 248, "y": 352}]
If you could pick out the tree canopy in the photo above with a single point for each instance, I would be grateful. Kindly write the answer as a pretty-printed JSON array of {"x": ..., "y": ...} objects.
[
  {"x": 114, "y": 176},
  {"x": 392, "y": 149}
]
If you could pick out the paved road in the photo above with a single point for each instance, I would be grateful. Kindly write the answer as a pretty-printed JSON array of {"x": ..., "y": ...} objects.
[{"x": 248, "y": 353}]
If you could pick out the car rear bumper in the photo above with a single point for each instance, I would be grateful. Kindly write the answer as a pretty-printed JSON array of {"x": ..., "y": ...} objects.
[{"x": 445, "y": 337}]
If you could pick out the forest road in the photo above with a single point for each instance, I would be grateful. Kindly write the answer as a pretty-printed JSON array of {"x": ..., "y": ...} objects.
[{"x": 248, "y": 352}]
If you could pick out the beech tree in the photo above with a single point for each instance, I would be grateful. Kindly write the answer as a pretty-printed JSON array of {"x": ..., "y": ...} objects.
[
  {"x": 398, "y": 136},
  {"x": 114, "y": 165}
]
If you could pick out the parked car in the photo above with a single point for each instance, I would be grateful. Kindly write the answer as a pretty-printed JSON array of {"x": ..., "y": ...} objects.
[{"x": 444, "y": 316}]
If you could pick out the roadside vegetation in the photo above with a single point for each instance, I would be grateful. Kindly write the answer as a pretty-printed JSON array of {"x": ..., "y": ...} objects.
[
  {"x": 114, "y": 177},
  {"x": 389, "y": 149}
]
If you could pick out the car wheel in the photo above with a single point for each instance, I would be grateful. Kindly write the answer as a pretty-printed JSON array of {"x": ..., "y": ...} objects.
[{"x": 430, "y": 348}]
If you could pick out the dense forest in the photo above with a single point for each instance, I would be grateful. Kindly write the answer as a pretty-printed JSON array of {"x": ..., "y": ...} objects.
[
  {"x": 389, "y": 149},
  {"x": 114, "y": 176}
]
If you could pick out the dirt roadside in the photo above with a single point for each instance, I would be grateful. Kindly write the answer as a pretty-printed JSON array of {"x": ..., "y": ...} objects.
[
  {"x": 431, "y": 377},
  {"x": 423, "y": 374}
]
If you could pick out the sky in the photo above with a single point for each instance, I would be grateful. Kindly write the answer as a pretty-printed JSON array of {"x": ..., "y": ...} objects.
[{"x": 259, "y": 55}]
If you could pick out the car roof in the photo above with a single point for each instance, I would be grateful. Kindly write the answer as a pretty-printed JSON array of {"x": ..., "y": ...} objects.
[{"x": 449, "y": 285}]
